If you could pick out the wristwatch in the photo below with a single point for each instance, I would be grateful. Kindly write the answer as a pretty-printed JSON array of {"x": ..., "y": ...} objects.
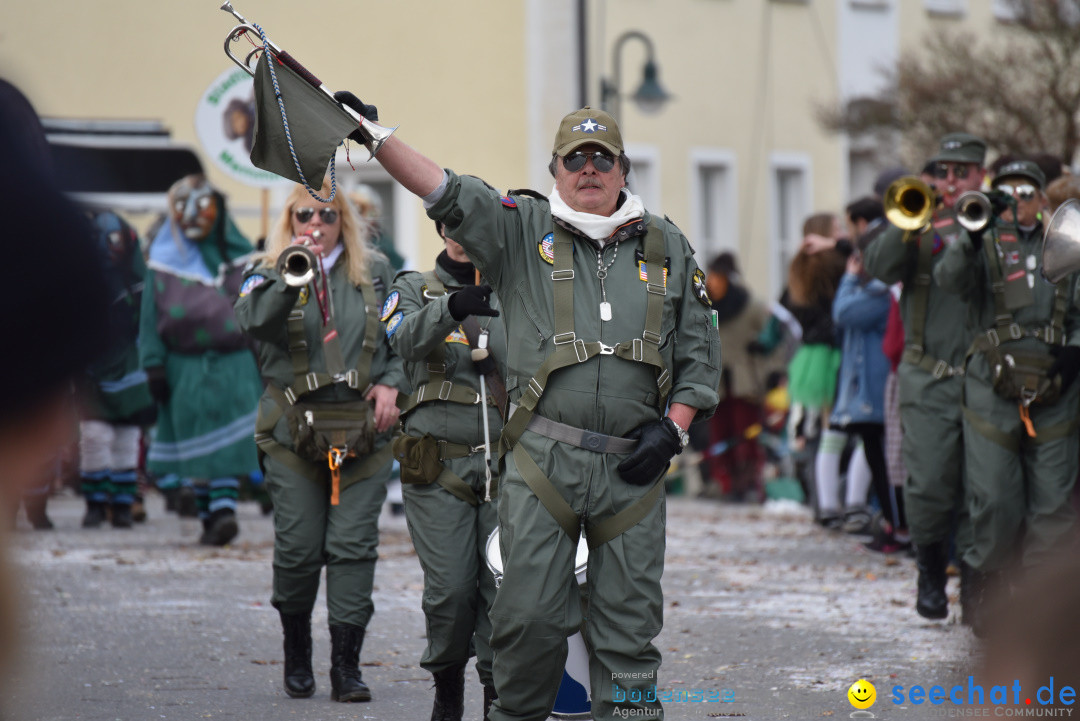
[{"x": 684, "y": 437}]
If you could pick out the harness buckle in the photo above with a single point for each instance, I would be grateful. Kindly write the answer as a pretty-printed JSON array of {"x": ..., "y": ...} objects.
[
  {"x": 312, "y": 382},
  {"x": 580, "y": 351},
  {"x": 477, "y": 449},
  {"x": 352, "y": 378},
  {"x": 606, "y": 349},
  {"x": 941, "y": 369},
  {"x": 444, "y": 390},
  {"x": 564, "y": 338},
  {"x": 992, "y": 336},
  {"x": 656, "y": 288},
  {"x": 653, "y": 338},
  {"x": 637, "y": 346},
  {"x": 1015, "y": 331},
  {"x": 562, "y": 274},
  {"x": 290, "y": 396}
]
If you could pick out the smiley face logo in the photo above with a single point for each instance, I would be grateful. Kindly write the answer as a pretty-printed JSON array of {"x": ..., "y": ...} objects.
[{"x": 862, "y": 694}]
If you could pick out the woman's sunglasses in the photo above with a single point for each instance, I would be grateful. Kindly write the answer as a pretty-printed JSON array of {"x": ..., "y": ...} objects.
[
  {"x": 603, "y": 162},
  {"x": 327, "y": 215}
]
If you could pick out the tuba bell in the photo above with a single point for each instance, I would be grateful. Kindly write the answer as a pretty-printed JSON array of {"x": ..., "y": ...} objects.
[
  {"x": 1061, "y": 243},
  {"x": 909, "y": 203}
]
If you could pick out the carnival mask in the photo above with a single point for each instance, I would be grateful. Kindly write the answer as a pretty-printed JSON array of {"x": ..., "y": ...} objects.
[{"x": 193, "y": 207}]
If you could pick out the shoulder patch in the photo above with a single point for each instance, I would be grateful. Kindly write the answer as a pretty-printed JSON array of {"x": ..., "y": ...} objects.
[
  {"x": 508, "y": 202},
  {"x": 457, "y": 336},
  {"x": 700, "y": 291},
  {"x": 643, "y": 271},
  {"x": 393, "y": 324},
  {"x": 389, "y": 305},
  {"x": 546, "y": 246},
  {"x": 252, "y": 282}
]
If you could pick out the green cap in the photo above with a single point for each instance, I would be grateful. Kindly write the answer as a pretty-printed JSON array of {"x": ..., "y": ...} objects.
[
  {"x": 961, "y": 148},
  {"x": 588, "y": 126},
  {"x": 1021, "y": 169}
]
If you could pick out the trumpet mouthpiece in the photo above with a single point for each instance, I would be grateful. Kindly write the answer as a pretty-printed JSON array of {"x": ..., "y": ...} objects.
[{"x": 316, "y": 234}]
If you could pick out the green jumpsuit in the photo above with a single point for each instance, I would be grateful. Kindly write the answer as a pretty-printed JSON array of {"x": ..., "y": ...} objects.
[
  {"x": 931, "y": 378},
  {"x": 309, "y": 531},
  {"x": 449, "y": 518},
  {"x": 659, "y": 346},
  {"x": 1015, "y": 482}
]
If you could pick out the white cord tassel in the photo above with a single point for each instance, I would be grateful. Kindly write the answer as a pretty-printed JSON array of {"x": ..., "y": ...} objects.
[{"x": 479, "y": 354}]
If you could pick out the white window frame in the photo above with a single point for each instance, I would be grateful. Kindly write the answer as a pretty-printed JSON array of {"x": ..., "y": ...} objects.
[
  {"x": 647, "y": 187},
  {"x": 726, "y": 220},
  {"x": 779, "y": 162}
]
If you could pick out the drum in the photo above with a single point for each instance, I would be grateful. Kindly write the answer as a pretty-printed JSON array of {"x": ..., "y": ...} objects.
[{"x": 572, "y": 701}]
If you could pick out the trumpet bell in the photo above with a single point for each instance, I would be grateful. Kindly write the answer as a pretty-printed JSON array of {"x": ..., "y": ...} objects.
[
  {"x": 297, "y": 265},
  {"x": 909, "y": 203},
  {"x": 1061, "y": 243},
  {"x": 973, "y": 210}
]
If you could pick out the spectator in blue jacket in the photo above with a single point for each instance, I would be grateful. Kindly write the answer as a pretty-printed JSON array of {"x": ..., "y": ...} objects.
[{"x": 860, "y": 312}]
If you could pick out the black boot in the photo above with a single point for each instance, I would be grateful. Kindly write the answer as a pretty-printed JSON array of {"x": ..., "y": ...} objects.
[
  {"x": 219, "y": 528},
  {"x": 95, "y": 514},
  {"x": 121, "y": 515},
  {"x": 186, "y": 505},
  {"x": 489, "y": 698},
  {"x": 449, "y": 694},
  {"x": 35, "y": 512},
  {"x": 346, "y": 683},
  {"x": 299, "y": 679},
  {"x": 931, "y": 559}
]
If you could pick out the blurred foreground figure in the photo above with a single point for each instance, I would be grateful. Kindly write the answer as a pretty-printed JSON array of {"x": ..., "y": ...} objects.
[{"x": 56, "y": 328}]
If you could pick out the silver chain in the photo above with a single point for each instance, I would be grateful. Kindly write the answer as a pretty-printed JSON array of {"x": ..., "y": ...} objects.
[{"x": 601, "y": 269}]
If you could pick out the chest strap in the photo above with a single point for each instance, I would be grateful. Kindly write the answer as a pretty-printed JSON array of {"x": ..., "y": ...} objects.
[
  {"x": 438, "y": 387},
  {"x": 914, "y": 349},
  {"x": 571, "y": 350},
  {"x": 357, "y": 378}
]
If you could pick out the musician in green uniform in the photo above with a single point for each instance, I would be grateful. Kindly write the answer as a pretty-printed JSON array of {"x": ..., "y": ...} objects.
[
  {"x": 1020, "y": 401},
  {"x": 930, "y": 374},
  {"x": 595, "y": 291},
  {"x": 323, "y": 427},
  {"x": 437, "y": 321}
]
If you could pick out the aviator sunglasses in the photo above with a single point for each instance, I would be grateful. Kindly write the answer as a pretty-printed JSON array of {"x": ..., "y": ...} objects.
[
  {"x": 328, "y": 215},
  {"x": 960, "y": 171},
  {"x": 603, "y": 162},
  {"x": 1025, "y": 191}
]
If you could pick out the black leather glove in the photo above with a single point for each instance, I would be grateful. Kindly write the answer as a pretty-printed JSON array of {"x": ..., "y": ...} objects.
[
  {"x": 1067, "y": 364},
  {"x": 368, "y": 111},
  {"x": 159, "y": 387},
  {"x": 658, "y": 442},
  {"x": 471, "y": 300}
]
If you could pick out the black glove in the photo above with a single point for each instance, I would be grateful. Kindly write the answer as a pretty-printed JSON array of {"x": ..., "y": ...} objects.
[
  {"x": 658, "y": 442},
  {"x": 471, "y": 300},
  {"x": 976, "y": 238},
  {"x": 1067, "y": 364},
  {"x": 159, "y": 387},
  {"x": 368, "y": 111}
]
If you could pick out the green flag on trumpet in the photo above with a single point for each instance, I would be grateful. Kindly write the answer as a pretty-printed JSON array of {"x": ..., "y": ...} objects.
[{"x": 317, "y": 125}]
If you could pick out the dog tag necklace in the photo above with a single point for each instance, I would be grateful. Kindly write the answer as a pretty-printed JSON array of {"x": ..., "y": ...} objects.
[{"x": 601, "y": 273}]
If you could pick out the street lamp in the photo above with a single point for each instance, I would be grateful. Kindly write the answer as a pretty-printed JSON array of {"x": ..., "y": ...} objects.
[{"x": 650, "y": 95}]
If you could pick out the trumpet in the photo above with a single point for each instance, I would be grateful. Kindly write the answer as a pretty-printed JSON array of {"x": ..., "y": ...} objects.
[
  {"x": 909, "y": 203},
  {"x": 374, "y": 134},
  {"x": 975, "y": 209},
  {"x": 297, "y": 264}
]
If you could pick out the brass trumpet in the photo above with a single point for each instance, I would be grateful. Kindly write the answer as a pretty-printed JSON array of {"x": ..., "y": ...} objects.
[
  {"x": 374, "y": 134},
  {"x": 909, "y": 203},
  {"x": 297, "y": 264}
]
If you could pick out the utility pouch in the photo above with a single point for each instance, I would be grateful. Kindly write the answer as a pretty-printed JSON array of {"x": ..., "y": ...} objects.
[
  {"x": 418, "y": 457},
  {"x": 316, "y": 428},
  {"x": 1022, "y": 375}
]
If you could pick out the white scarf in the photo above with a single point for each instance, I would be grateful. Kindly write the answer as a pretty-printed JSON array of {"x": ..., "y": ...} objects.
[{"x": 598, "y": 227}]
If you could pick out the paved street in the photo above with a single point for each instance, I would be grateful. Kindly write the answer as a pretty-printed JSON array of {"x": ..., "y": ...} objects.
[{"x": 761, "y": 606}]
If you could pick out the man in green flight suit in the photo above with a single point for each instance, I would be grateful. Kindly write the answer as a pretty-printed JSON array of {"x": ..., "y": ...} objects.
[
  {"x": 930, "y": 374},
  {"x": 435, "y": 322},
  {"x": 595, "y": 290},
  {"x": 1020, "y": 401}
]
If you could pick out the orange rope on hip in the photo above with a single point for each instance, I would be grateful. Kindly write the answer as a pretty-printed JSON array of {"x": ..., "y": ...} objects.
[
  {"x": 1025, "y": 418},
  {"x": 334, "y": 458}
]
